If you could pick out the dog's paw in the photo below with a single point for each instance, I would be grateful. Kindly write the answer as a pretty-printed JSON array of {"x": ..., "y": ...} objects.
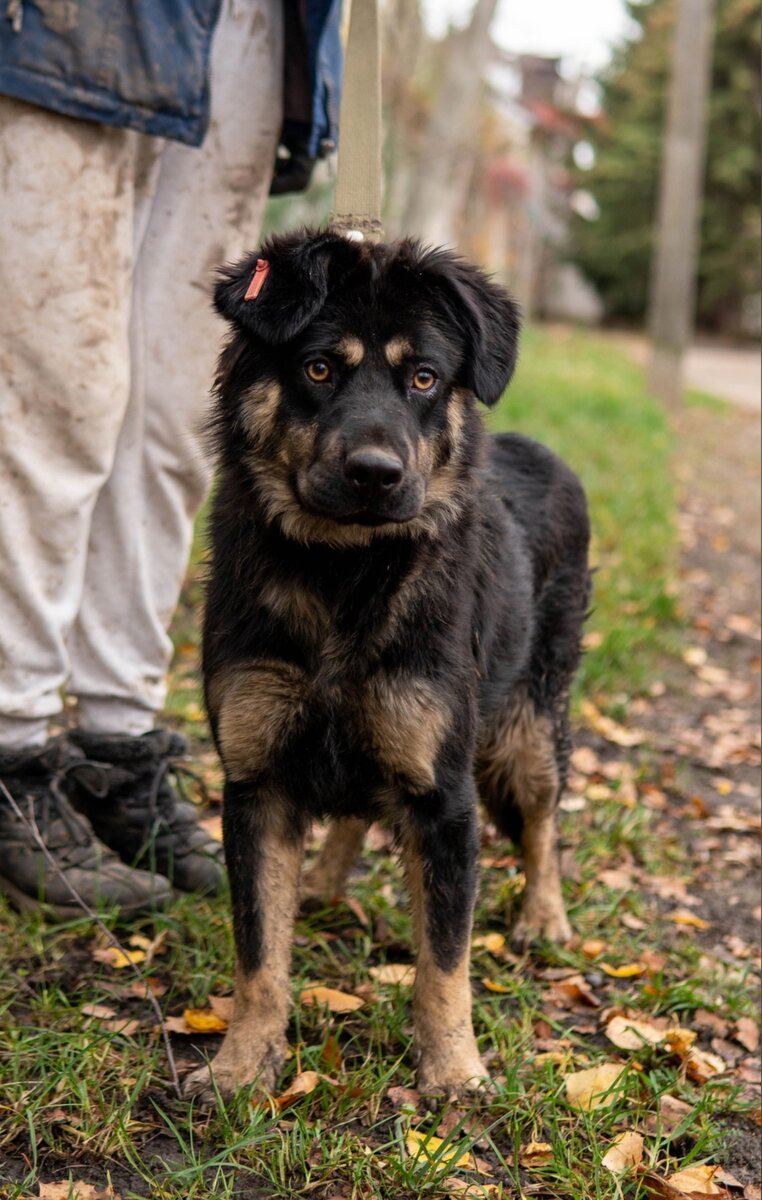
[
  {"x": 445, "y": 1076},
  {"x": 225, "y": 1075},
  {"x": 540, "y": 923}
]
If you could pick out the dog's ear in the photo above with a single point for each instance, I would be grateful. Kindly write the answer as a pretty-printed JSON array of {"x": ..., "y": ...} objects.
[
  {"x": 276, "y": 291},
  {"x": 486, "y": 316}
]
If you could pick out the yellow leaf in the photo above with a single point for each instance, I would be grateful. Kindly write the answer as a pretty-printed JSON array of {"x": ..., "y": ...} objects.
[
  {"x": 679, "y": 1040},
  {"x": 593, "y": 947},
  {"x": 393, "y": 973},
  {"x": 336, "y": 1002},
  {"x": 492, "y": 986},
  {"x": 429, "y": 1146},
  {"x": 697, "y": 1179},
  {"x": 557, "y": 1057},
  {"x": 624, "y": 1153},
  {"x": 119, "y": 959},
  {"x": 700, "y": 1065},
  {"x": 626, "y": 972},
  {"x": 301, "y": 1085},
  {"x": 535, "y": 1154},
  {"x": 471, "y": 1191},
  {"x": 630, "y": 1034},
  {"x": 204, "y": 1020},
  {"x": 683, "y": 917},
  {"x": 594, "y": 1088},
  {"x": 492, "y": 942}
]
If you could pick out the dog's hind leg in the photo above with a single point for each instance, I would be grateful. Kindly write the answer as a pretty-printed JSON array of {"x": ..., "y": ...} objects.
[
  {"x": 327, "y": 877},
  {"x": 440, "y": 865},
  {"x": 264, "y": 851},
  {"x": 520, "y": 781}
]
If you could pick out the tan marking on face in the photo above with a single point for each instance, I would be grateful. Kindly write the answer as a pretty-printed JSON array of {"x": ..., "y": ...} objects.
[
  {"x": 255, "y": 1044},
  {"x": 300, "y": 609},
  {"x": 448, "y": 1056},
  {"x": 516, "y": 758},
  {"x": 258, "y": 705},
  {"x": 327, "y": 877},
  {"x": 259, "y": 408},
  {"x": 405, "y": 722},
  {"x": 424, "y": 456},
  {"x": 456, "y": 420},
  {"x": 296, "y": 449},
  {"x": 397, "y": 350},
  {"x": 351, "y": 350}
]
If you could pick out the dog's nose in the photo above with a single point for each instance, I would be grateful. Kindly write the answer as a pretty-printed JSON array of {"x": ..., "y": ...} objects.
[{"x": 374, "y": 472}]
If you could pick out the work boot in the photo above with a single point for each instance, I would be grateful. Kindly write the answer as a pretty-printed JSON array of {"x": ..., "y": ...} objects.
[
  {"x": 140, "y": 815},
  {"x": 32, "y": 880}
]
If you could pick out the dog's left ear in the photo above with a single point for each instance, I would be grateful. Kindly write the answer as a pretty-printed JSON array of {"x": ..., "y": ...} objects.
[{"x": 488, "y": 318}]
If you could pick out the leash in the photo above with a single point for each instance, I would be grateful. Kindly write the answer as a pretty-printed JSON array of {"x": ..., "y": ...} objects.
[{"x": 358, "y": 174}]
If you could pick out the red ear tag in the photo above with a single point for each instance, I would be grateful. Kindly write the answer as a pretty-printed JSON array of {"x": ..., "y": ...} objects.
[{"x": 261, "y": 271}]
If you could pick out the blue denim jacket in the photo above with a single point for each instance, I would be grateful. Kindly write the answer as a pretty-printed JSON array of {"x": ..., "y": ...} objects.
[{"x": 143, "y": 63}]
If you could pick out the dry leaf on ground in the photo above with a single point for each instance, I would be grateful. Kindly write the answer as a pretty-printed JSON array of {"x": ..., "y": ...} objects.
[
  {"x": 204, "y": 1020},
  {"x": 698, "y": 1179},
  {"x": 681, "y": 916},
  {"x": 470, "y": 1191},
  {"x": 402, "y": 973},
  {"x": 535, "y": 1154},
  {"x": 112, "y": 956},
  {"x": 624, "y": 1153},
  {"x": 336, "y": 1002},
  {"x": 628, "y": 971},
  {"x": 399, "y": 1096},
  {"x": 746, "y": 1033},
  {"x": 629, "y": 1033},
  {"x": 77, "y": 1190},
  {"x": 700, "y": 1065},
  {"x": 428, "y": 1146},
  {"x": 493, "y": 986},
  {"x": 595, "y": 1087},
  {"x": 301, "y": 1085},
  {"x": 493, "y": 942}
]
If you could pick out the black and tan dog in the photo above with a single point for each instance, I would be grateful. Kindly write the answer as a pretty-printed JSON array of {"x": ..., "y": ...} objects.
[{"x": 393, "y": 616}]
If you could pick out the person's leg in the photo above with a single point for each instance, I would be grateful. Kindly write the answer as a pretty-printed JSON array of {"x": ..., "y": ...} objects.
[
  {"x": 207, "y": 207},
  {"x": 65, "y": 246},
  {"x": 65, "y": 253}
]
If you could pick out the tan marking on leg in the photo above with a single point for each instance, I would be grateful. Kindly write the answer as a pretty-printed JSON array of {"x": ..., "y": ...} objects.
[
  {"x": 259, "y": 407},
  {"x": 255, "y": 1044},
  {"x": 405, "y": 722},
  {"x": 328, "y": 875},
  {"x": 518, "y": 754},
  {"x": 351, "y": 350},
  {"x": 397, "y": 350},
  {"x": 445, "y": 1046},
  {"x": 259, "y": 705}
]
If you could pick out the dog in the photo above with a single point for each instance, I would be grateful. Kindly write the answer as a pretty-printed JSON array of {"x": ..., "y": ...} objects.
[{"x": 393, "y": 618}]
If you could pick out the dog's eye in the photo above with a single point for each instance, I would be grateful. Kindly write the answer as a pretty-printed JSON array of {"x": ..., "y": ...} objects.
[
  {"x": 424, "y": 380},
  {"x": 318, "y": 370}
]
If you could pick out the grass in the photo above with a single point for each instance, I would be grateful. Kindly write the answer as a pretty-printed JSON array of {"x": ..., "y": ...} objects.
[{"x": 81, "y": 1102}]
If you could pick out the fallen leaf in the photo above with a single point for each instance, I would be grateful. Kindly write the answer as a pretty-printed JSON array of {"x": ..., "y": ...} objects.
[
  {"x": 492, "y": 942},
  {"x": 573, "y": 991},
  {"x": 354, "y": 905},
  {"x": 631, "y": 922},
  {"x": 624, "y": 1153},
  {"x": 682, "y": 917},
  {"x": 535, "y": 1154},
  {"x": 700, "y": 1065},
  {"x": 594, "y": 1087},
  {"x": 102, "y": 1011},
  {"x": 432, "y": 1147},
  {"x": 401, "y": 1097},
  {"x": 493, "y": 986},
  {"x": 124, "y": 1025},
  {"x": 112, "y": 956},
  {"x": 593, "y": 948},
  {"x": 746, "y": 1033},
  {"x": 696, "y": 1179},
  {"x": 672, "y": 1112},
  {"x": 336, "y": 1002},
  {"x": 204, "y": 1020},
  {"x": 390, "y": 973},
  {"x": 76, "y": 1190},
  {"x": 628, "y": 1033},
  {"x": 470, "y": 1191},
  {"x": 616, "y": 879},
  {"x": 330, "y": 1055},
  {"x": 301, "y": 1085},
  {"x": 629, "y": 971}
]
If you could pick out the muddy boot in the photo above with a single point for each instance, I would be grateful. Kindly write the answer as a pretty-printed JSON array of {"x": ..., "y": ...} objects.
[
  {"x": 140, "y": 815},
  {"x": 35, "y": 779}
]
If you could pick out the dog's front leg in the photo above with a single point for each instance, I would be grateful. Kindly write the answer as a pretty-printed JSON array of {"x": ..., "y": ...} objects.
[
  {"x": 264, "y": 851},
  {"x": 440, "y": 855}
]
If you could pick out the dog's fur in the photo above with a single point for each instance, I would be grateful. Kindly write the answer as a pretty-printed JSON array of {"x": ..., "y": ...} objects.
[{"x": 393, "y": 617}]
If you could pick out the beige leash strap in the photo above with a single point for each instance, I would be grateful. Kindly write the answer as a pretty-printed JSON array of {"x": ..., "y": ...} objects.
[{"x": 358, "y": 177}]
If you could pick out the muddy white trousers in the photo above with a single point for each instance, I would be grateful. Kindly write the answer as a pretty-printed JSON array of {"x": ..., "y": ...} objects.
[{"x": 108, "y": 243}]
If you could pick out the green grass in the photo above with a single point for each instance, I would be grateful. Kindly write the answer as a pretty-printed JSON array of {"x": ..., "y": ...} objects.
[
  {"x": 80, "y": 1102},
  {"x": 583, "y": 398}
]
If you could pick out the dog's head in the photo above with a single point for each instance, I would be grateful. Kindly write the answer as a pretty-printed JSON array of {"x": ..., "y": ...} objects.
[{"x": 349, "y": 388}]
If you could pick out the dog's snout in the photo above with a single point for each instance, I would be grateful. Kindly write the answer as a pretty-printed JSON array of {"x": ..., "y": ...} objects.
[{"x": 374, "y": 472}]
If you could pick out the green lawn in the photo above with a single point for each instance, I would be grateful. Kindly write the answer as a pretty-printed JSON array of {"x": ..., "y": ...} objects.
[{"x": 81, "y": 1101}]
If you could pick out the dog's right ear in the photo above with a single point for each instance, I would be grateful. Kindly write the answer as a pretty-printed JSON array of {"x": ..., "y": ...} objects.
[{"x": 275, "y": 292}]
